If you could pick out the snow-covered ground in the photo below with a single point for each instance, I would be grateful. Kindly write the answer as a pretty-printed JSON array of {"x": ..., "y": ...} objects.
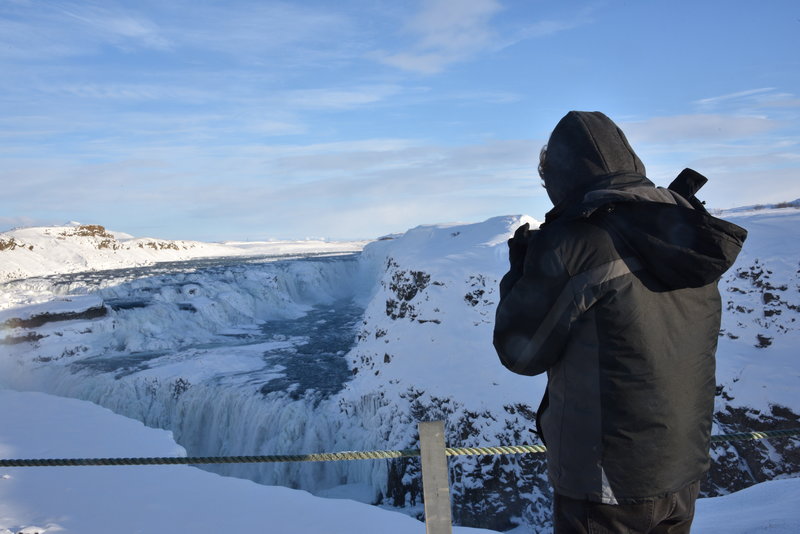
[
  {"x": 154, "y": 499},
  {"x": 241, "y": 354},
  {"x": 150, "y": 499},
  {"x": 772, "y": 507}
]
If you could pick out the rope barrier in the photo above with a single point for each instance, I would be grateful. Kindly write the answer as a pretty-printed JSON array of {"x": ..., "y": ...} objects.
[
  {"x": 183, "y": 460},
  {"x": 337, "y": 456},
  {"x": 743, "y": 436},
  {"x": 512, "y": 449}
]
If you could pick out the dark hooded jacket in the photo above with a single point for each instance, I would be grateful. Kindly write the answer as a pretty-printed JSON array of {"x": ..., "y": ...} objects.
[{"x": 615, "y": 297}]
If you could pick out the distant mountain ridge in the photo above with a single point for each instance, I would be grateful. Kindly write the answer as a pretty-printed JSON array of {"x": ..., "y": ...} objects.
[
  {"x": 44, "y": 250},
  {"x": 758, "y": 207}
]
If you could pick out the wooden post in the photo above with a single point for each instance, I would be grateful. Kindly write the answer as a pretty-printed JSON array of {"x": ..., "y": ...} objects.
[{"x": 435, "y": 480}]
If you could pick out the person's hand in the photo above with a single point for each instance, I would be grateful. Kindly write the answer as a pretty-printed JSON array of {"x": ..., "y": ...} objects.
[{"x": 518, "y": 245}]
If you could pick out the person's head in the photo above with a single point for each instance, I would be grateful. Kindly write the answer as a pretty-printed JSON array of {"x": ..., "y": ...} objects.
[{"x": 584, "y": 147}]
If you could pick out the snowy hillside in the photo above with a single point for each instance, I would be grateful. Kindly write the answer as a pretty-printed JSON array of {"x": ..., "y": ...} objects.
[
  {"x": 40, "y": 251},
  {"x": 348, "y": 352}
]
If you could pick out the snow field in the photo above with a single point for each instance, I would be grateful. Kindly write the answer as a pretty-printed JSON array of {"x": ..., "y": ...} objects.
[{"x": 151, "y": 499}]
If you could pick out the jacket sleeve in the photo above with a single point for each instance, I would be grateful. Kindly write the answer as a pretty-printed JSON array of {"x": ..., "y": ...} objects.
[{"x": 537, "y": 307}]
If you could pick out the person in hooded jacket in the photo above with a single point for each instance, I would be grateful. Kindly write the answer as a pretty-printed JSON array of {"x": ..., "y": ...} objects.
[{"x": 615, "y": 297}]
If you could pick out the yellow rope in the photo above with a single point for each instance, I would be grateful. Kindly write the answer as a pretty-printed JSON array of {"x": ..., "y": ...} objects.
[{"x": 338, "y": 456}]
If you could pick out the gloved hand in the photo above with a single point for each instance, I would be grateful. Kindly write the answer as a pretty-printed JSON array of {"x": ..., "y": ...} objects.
[{"x": 518, "y": 246}]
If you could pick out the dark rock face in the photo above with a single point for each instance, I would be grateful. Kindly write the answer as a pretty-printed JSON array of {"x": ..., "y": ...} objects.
[
  {"x": 762, "y": 303},
  {"x": 404, "y": 286},
  {"x": 739, "y": 464},
  {"x": 30, "y": 337},
  {"x": 497, "y": 492},
  {"x": 38, "y": 320}
]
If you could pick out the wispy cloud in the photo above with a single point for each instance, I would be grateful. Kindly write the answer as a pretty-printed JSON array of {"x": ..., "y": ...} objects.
[
  {"x": 342, "y": 191},
  {"x": 707, "y": 127},
  {"x": 249, "y": 32},
  {"x": 117, "y": 25},
  {"x": 270, "y": 34},
  {"x": 130, "y": 91},
  {"x": 445, "y": 31},
  {"x": 275, "y": 187},
  {"x": 762, "y": 101},
  {"x": 72, "y": 29},
  {"x": 542, "y": 28},
  {"x": 339, "y": 99},
  {"x": 715, "y": 100},
  {"x": 747, "y": 154},
  {"x": 21, "y": 40}
]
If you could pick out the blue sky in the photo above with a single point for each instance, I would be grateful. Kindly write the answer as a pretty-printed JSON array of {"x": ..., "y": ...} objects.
[{"x": 229, "y": 120}]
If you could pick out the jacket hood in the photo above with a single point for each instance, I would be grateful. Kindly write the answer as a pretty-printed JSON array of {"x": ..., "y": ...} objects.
[
  {"x": 584, "y": 147},
  {"x": 680, "y": 245}
]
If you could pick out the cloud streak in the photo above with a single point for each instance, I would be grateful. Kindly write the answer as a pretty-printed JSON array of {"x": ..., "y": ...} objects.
[
  {"x": 707, "y": 127},
  {"x": 339, "y": 99},
  {"x": 444, "y": 32},
  {"x": 44, "y": 31},
  {"x": 116, "y": 25},
  {"x": 249, "y": 32},
  {"x": 714, "y": 101}
]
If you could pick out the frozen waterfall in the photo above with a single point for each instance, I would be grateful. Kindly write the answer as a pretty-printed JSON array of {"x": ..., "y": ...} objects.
[{"x": 234, "y": 357}]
